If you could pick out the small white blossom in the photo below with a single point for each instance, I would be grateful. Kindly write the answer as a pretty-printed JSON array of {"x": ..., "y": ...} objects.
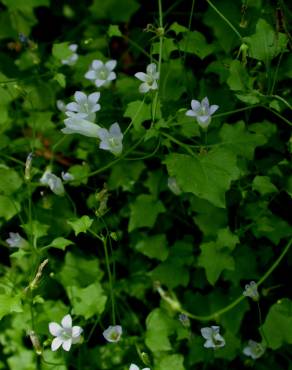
[
  {"x": 85, "y": 105},
  {"x": 113, "y": 333},
  {"x": 213, "y": 338},
  {"x": 76, "y": 124},
  {"x": 202, "y": 111},
  {"x": 65, "y": 334},
  {"x": 53, "y": 182},
  {"x": 101, "y": 73},
  {"x": 149, "y": 79},
  {"x": 66, "y": 176},
  {"x": 16, "y": 241},
  {"x": 111, "y": 139},
  {"x": 135, "y": 367},
  {"x": 254, "y": 350},
  {"x": 251, "y": 290},
  {"x": 61, "y": 105},
  {"x": 173, "y": 186},
  {"x": 72, "y": 58}
]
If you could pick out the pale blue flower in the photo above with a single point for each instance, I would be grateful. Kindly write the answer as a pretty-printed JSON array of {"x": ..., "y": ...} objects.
[
  {"x": 66, "y": 176},
  {"x": 135, "y": 367},
  {"x": 53, "y": 182},
  {"x": 73, "y": 57},
  {"x": 212, "y": 336},
  {"x": 113, "y": 333},
  {"x": 16, "y": 241},
  {"x": 254, "y": 350},
  {"x": 111, "y": 139},
  {"x": 251, "y": 290},
  {"x": 202, "y": 112},
  {"x": 85, "y": 105},
  {"x": 149, "y": 78},
  {"x": 76, "y": 124},
  {"x": 101, "y": 73}
]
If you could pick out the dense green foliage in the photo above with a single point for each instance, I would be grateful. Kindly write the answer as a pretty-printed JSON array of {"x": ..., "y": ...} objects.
[{"x": 161, "y": 235}]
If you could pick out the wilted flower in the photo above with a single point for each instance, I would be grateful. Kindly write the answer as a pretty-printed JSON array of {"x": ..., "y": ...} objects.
[
  {"x": 135, "y": 367},
  {"x": 251, "y": 291},
  {"x": 173, "y": 186},
  {"x": 113, "y": 333},
  {"x": 16, "y": 241},
  {"x": 254, "y": 350},
  {"x": 53, "y": 182},
  {"x": 61, "y": 105},
  {"x": 202, "y": 111},
  {"x": 85, "y": 105},
  {"x": 101, "y": 73},
  {"x": 149, "y": 79},
  {"x": 75, "y": 124},
  {"x": 65, "y": 334},
  {"x": 111, "y": 139},
  {"x": 72, "y": 58},
  {"x": 213, "y": 338},
  {"x": 66, "y": 176}
]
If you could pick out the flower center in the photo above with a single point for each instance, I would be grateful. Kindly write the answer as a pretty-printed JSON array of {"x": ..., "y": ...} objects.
[{"x": 103, "y": 73}]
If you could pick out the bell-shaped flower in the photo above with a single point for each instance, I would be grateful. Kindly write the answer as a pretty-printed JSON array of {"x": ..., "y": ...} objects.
[
  {"x": 149, "y": 78},
  {"x": 251, "y": 290},
  {"x": 72, "y": 58},
  {"x": 76, "y": 124},
  {"x": 65, "y": 334},
  {"x": 53, "y": 182},
  {"x": 111, "y": 139},
  {"x": 212, "y": 336},
  {"x": 202, "y": 112},
  {"x": 16, "y": 241},
  {"x": 254, "y": 350},
  {"x": 135, "y": 367},
  {"x": 86, "y": 105},
  {"x": 101, "y": 73},
  {"x": 113, "y": 333}
]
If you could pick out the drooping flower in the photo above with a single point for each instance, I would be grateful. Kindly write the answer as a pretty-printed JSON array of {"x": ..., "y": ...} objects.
[
  {"x": 101, "y": 73},
  {"x": 202, "y": 111},
  {"x": 76, "y": 124},
  {"x": 113, "y": 333},
  {"x": 53, "y": 182},
  {"x": 72, "y": 58},
  {"x": 254, "y": 350},
  {"x": 149, "y": 78},
  {"x": 16, "y": 241},
  {"x": 173, "y": 186},
  {"x": 66, "y": 176},
  {"x": 212, "y": 336},
  {"x": 65, "y": 334},
  {"x": 251, "y": 290},
  {"x": 85, "y": 105},
  {"x": 111, "y": 139},
  {"x": 135, "y": 367}
]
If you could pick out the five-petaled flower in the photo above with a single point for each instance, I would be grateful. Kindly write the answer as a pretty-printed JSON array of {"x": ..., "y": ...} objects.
[
  {"x": 251, "y": 290},
  {"x": 149, "y": 79},
  {"x": 254, "y": 350},
  {"x": 16, "y": 241},
  {"x": 202, "y": 112},
  {"x": 101, "y": 73},
  {"x": 212, "y": 336},
  {"x": 53, "y": 182},
  {"x": 72, "y": 58},
  {"x": 76, "y": 124},
  {"x": 135, "y": 367},
  {"x": 65, "y": 334},
  {"x": 111, "y": 139},
  {"x": 85, "y": 105},
  {"x": 113, "y": 333}
]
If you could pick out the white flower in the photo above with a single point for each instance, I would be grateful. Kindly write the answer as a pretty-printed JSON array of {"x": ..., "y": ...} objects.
[
  {"x": 202, "y": 111},
  {"x": 149, "y": 79},
  {"x": 111, "y": 139},
  {"x": 53, "y": 182},
  {"x": 254, "y": 350},
  {"x": 173, "y": 186},
  {"x": 76, "y": 124},
  {"x": 61, "y": 105},
  {"x": 16, "y": 241},
  {"x": 101, "y": 73},
  {"x": 66, "y": 176},
  {"x": 65, "y": 334},
  {"x": 135, "y": 367},
  {"x": 251, "y": 291},
  {"x": 72, "y": 58},
  {"x": 85, "y": 105},
  {"x": 113, "y": 333},
  {"x": 213, "y": 338}
]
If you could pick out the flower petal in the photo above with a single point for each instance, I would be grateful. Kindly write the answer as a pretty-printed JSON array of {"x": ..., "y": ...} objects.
[
  {"x": 90, "y": 75},
  {"x": 205, "y": 103},
  {"x": 74, "y": 107},
  {"x": 141, "y": 76},
  {"x": 67, "y": 344},
  {"x": 67, "y": 322},
  {"x": 111, "y": 64},
  {"x": 55, "y": 329},
  {"x": 76, "y": 331},
  {"x": 209, "y": 344},
  {"x": 213, "y": 108},
  {"x": 80, "y": 97},
  {"x": 112, "y": 76},
  {"x": 151, "y": 69},
  {"x": 115, "y": 130},
  {"x": 191, "y": 113},
  {"x": 196, "y": 105},
  {"x": 144, "y": 88},
  {"x": 134, "y": 367},
  {"x": 56, "y": 343},
  {"x": 99, "y": 83},
  {"x": 206, "y": 333},
  {"x": 73, "y": 47},
  {"x": 94, "y": 97},
  {"x": 103, "y": 134},
  {"x": 97, "y": 64}
]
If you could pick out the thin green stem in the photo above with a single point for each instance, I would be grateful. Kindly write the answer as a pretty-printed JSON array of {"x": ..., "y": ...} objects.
[
  {"x": 185, "y": 146},
  {"x": 278, "y": 115}
]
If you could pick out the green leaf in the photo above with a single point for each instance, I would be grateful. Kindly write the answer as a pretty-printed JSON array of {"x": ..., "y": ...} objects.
[
  {"x": 88, "y": 301},
  {"x": 9, "y": 304},
  {"x": 8, "y": 207},
  {"x": 238, "y": 139},
  {"x": 61, "y": 79},
  {"x": 10, "y": 181},
  {"x": 144, "y": 211},
  {"x": 125, "y": 175},
  {"x": 168, "y": 47},
  {"x": 238, "y": 79},
  {"x": 278, "y": 324},
  {"x": 226, "y": 239},
  {"x": 154, "y": 246},
  {"x": 36, "y": 229},
  {"x": 114, "y": 30},
  {"x": 263, "y": 185},
  {"x": 171, "y": 362},
  {"x": 178, "y": 28},
  {"x": 195, "y": 43},
  {"x": 80, "y": 225},
  {"x": 19, "y": 4},
  {"x": 61, "y": 51},
  {"x": 60, "y": 243},
  {"x": 114, "y": 10},
  {"x": 139, "y": 112},
  {"x": 208, "y": 176}
]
